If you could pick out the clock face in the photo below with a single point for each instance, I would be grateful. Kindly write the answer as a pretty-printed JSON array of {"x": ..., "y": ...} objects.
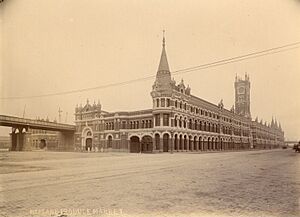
[{"x": 241, "y": 90}]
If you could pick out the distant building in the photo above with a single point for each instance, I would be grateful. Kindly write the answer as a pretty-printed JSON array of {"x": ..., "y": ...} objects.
[
  {"x": 177, "y": 121},
  {"x": 5, "y": 142},
  {"x": 44, "y": 139}
]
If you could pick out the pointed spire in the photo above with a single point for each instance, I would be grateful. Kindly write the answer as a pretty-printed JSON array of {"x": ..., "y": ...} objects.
[
  {"x": 163, "y": 64},
  {"x": 272, "y": 123},
  {"x": 164, "y": 40},
  {"x": 276, "y": 124},
  {"x": 280, "y": 126}
]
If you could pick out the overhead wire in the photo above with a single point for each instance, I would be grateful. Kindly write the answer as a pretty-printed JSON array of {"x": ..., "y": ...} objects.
[{"x": 252, "y": 55}]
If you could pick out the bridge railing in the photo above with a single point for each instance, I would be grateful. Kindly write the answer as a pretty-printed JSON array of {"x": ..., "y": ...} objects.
[{"x": 27, "y": 121}]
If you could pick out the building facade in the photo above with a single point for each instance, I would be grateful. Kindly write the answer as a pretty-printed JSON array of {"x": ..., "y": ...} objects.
[
  {"x": 44, "y": 139},
  {"x": 178, "y": 121}
]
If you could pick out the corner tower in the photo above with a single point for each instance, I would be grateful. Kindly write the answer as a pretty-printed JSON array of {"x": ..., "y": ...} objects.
[
  {"x": 163, "y": 82},
  {"x": 242, "y": 96}
]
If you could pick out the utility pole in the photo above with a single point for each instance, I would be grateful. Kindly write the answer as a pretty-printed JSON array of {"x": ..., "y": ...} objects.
[
  {"x": 24, "y": 110},
  {"x": 59, "y": 115}
]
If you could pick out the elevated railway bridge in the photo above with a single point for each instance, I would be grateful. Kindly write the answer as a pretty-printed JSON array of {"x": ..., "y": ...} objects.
[{"x": 20, "y": 134}]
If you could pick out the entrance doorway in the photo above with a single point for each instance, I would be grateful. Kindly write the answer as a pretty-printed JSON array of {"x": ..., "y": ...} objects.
[
  {"x": 147, "y": 144},
  {"x": 166, "y": 143},
  {"x": 88, "y": 144},
  {"x": 134, "y": 144}
]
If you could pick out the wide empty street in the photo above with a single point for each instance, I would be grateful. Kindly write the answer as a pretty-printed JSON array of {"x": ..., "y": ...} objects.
[{"x": 249, "y": 183}]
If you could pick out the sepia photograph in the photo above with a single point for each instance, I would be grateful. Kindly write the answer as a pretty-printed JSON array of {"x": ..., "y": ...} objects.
[{"x": 149, "y": 108}]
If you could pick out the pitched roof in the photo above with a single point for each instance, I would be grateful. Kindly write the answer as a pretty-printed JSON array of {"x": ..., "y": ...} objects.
[{"x": 163, "y": 64}]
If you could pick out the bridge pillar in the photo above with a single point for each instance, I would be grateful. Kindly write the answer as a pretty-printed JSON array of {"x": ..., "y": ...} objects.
[
  {"x": 66, "y": 141},
  {"x": 27, "y": 141},
  {"x": 14, "y": 142},
  {"x": 20, "y": 139}
]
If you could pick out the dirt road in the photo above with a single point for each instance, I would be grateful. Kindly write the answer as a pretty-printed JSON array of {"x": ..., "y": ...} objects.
[{"x": 250, "y": 183}]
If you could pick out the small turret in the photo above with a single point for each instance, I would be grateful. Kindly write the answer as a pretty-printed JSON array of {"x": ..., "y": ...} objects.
[
  {"x": 98, "y": 106},
  {"x": 163, "y": 82}
]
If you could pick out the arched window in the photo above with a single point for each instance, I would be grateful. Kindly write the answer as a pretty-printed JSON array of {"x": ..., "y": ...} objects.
[
  {"x": 143, "y": 124},
  {"x": 157, "y": 120},
  {"x": 109, "y": 141},
  {"x": 168, "y": 103},
  {"x": 165, "y": 119}
]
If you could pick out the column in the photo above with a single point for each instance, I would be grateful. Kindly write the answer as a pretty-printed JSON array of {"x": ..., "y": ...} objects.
[
  {"x": 161, "y": 144},
  {"x": 153, "y": 144},
  {"x": 171, "y": 144},
  {"x": 192, "y": 145}
]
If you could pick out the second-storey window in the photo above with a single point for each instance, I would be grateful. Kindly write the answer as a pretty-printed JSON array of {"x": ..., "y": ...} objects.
[
  {"x": 166, "y": 119},
  {"x": 157, "y": 120}
]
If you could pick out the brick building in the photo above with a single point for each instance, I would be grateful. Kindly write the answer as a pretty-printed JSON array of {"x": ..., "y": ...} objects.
[
  {"x": 177, "y": 121},
  {"x": 44, "y": 139}
]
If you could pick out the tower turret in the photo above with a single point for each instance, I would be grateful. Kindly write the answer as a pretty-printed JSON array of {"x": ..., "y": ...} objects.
[
  {"x": 163, "y": 82},
  {"x": 242, "y": 96}
]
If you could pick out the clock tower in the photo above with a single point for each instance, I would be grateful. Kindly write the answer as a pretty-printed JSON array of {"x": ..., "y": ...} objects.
[{"x": 242, "y": 96}]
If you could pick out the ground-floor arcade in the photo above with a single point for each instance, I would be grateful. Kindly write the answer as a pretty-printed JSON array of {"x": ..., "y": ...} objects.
[{"x": 151, "y": 141}]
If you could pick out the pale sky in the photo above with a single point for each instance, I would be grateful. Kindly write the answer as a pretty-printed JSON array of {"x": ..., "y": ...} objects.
[{"x": 61, "y": 45}]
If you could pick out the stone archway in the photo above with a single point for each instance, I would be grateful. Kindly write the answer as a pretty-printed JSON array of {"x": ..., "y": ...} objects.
[
  {"x": 185, "y": 142},
  {"x": 196, "y": 144},
  {"x": 87, "y": 139},
  {"x": 109, "y": 141},
  {"x": 176, "y": 143},
  {"x": 180, "y": 142},
  {"x": 146, "y": 144},
  {"x": 88, "y": 144},
  {"x": 166, "y": 139},
  {"x": 134, "y": 144}
]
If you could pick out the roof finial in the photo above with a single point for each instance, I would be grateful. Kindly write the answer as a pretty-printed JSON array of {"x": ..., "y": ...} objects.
[{"x": 164, "y": 40}]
